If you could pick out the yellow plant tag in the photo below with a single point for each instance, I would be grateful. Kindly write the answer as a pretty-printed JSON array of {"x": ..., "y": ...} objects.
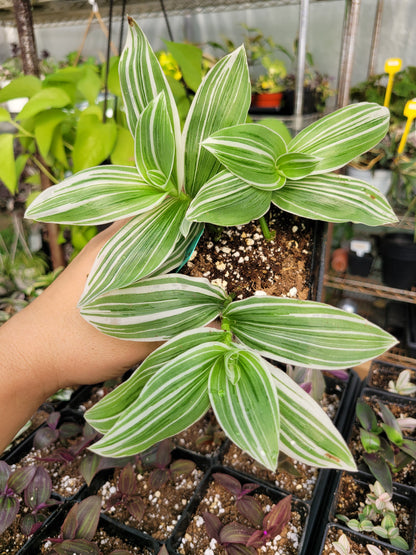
[
  {"x": 391, "y": 66},
  {"x": 410, "y": 113}
]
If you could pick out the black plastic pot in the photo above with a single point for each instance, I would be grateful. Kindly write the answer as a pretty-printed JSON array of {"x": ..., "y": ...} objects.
[
  {"x": 411, "y": 330},
  {"x": 274, "y": 493},
  {"x": 388, "y": 371},
  {"x": 360, "y": 265},
  {"x": 357, "y": 537},
  {"x": 311, "y": 101},
  {"x": 404, "y": 495},
  {"x": 398, "y": 256},
  {"x": 51, "y": 529}
]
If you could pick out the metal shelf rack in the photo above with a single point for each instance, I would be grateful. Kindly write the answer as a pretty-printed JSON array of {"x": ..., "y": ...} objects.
[{"x": 369, "y": 286}]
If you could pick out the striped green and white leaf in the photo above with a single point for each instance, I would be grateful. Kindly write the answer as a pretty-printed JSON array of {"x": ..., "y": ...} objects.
[
  {"x": 182, "y": 251},
  {"x": 136, "y": 250},
  {"x": 250, "y": 152},
  {"x": 227, "y": 200},
  {"x": 155, "y": 143},
  {"x": 335, "y": 198},
  {"x": 156, "y": 309},
  {"x": 175, "y": 397},
  {"x": 306, "y": 432},
  {"x": 142, "y": 80},
  {"x": 342, "y": 135},
  {"x": 222, "y": 100},
  {"x": 104, "y": 414},
  {"x": 248, "y": 410},
  {"x": 295, "y": 165},
  {"x": 95, "y": 196},
  {"x": 306, "y": 333}
]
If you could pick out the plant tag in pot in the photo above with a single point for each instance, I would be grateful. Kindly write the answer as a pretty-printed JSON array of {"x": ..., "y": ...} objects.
[{"x": 360, "y": 247}]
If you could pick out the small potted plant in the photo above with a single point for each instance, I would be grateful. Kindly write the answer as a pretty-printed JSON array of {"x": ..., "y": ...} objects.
[
  {"x": 317, "y": 87},
  {"x": 266, "y": 70},
  {"x": 222, "y": 171},
  {"x": 268, "y": 87}
]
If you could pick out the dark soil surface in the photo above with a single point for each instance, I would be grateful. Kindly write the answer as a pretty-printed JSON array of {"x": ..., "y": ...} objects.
[{"x": 241, "y": 261}]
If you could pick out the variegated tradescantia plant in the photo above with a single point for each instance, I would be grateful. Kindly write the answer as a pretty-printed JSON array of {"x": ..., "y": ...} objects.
[{"x": 223, "y": 171}]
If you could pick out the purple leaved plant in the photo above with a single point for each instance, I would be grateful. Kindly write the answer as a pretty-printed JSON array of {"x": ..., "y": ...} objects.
[
  {"x": 50, "y": 432},
  {"x": 92, "y": 463},
  {"x": 78, "y": 528},
  {"x": 265, "y": 526},
  {"x": 247, "y": 505},
  {"x": 164, "y": 469},
  {"x": 271, "y": 524},
  {"x": 127, "y": 494},
  {"x": 67, "y": 454},
  {"x": 34, "y": 485},
  {"x": 212, "y": 435},
  {"x": 233, "y": 537}
]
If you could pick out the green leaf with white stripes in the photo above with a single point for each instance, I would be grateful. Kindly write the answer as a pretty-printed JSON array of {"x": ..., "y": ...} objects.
[
  {"x": 104, "y": 414},
  {"x": 155, "y": 143},
  {"x": 222, "y": 100},
  {"x": 307, "y": 434},
  {"x": 95, "y": 196},
  {"x": 182, "y": 251},
  {"x": 227, "y": 200},
  {"x": 249, "y": 151},
  {"x": 306, "y": 333},
  {"x": 136, "y": 250},
  {"x": 295, "y": 165},
  {"x": 157, "y": 308},
  {"x": 248, "y": 410},
  {"x": 342, "y": 135},
  {"x": 335, "y": 198},
  {"x": 173, "y": 399},
  {"x": 141, "y": 81}
]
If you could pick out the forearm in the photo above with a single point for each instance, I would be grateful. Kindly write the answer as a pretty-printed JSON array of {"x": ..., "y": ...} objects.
[
  {"x": 48, "y": 345},
  {"x": 23, "y": 384}
]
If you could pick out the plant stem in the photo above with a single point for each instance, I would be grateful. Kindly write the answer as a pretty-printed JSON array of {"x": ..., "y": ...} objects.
[
  {"x": 225, "y": 326},
  {"x": 44, "y": 170},
  {"x": 267, "y": 234}
]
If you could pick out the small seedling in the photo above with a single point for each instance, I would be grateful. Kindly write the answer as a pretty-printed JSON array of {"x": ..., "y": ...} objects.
[
  {"x": 127, "y": 494},
  {"x": 67, "y": 454},
  {"x": 343, "y": 547},
  {"x": 233, "y": 536},
  {"x": 50, "y": 433},
  {"x": 385, "y": 448},
  {"x": 78, "y": 528},
  {"x": 377, "y": 516},
  {"x": 266, "y": 526},
  {"x": 272, "y": 524},
  {"x": 213, "y": 435},
  {"x": 165, "y": 469},
  {"x": 403, "y": 385},
  {"x": 34, "y": 485},
  {"x": 246, "y": 505}
]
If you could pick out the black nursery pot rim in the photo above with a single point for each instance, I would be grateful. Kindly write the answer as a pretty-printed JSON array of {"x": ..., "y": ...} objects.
[
  {"x": 359, "y": 538},
  {"x": 389, "y": 366},
  {"x": 406, "y": 495},
  {"x": 51, "y": 528},
  {"x": 274, "y": 493}
]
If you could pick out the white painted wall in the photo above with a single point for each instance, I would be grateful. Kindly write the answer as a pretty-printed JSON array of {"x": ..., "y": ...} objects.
[{"x": 397, "y": 38}]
